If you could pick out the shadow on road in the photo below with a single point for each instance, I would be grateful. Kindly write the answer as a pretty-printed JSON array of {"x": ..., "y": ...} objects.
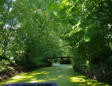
[{"x": 63, "y": 75}]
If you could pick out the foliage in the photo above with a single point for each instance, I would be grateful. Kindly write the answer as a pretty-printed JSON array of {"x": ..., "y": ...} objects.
[
  {"x": 31, "y": 31},
  {"x": 28, "y": 34},
  {"x": 91, "y": 33}
]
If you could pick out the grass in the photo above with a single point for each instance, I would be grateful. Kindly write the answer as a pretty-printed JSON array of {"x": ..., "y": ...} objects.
[{"x": 63, "y": 75}]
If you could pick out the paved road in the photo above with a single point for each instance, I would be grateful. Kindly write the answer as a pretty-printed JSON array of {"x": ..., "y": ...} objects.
[{"x": 63, "y": 75}]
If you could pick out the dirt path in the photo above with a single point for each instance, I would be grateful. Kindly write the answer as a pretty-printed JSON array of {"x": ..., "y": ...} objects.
[{"x": 63, "y": 75}]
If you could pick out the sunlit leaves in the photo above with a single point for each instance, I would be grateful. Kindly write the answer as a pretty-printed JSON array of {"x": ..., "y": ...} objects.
[
  {"x": 32, "y": 29},
  {"x": 91, "y": 28}
]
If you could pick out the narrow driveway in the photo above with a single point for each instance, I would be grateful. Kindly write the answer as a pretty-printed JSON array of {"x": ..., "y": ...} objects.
[{"x": 63, "y": 75}]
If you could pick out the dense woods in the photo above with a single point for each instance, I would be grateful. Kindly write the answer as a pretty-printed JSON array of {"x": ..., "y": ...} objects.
[{"x": 31, "y": 31}]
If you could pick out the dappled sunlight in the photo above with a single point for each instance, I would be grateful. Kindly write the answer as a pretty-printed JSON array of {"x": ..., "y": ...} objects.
[
  {"x": 18, "y": 77},
  {"x": 77, "y": 79},
  {"x": 35, "y": 80},
  {"x": 63, "y": 75},
  {"x": 37, "y": 73},
  {"x": 66, "y": 35},
  {"x": 87, "y": 81}
]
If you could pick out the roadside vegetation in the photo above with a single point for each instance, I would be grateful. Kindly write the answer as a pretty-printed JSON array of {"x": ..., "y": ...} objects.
[{"x": 33, "y": 31}]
